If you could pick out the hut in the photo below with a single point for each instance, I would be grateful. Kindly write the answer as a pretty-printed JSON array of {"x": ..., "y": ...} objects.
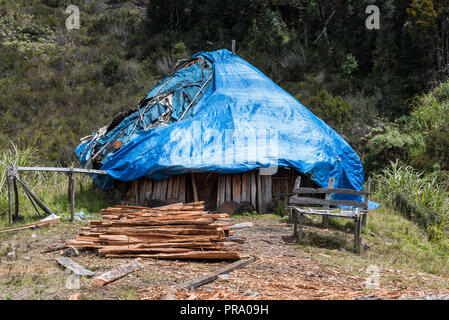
[{"x": 217, "y": 129}]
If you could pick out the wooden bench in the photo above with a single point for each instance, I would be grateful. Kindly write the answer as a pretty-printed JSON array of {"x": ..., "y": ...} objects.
[{"x": 300, "y": 205}]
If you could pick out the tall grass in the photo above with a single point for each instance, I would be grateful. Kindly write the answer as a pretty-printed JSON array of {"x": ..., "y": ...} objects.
[
  {"x": 49, "y": 187},
  {"x": 421, "y": 198}
]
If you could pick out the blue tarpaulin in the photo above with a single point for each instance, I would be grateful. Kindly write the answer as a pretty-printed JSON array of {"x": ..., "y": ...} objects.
[{"x": 226, "y": 117}]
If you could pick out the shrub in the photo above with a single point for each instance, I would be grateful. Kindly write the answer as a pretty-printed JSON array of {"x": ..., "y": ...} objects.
[
  {"x": 179, "y": 51},
  {"x": 335, "y": 111},
  {"x": 110, "y": 70},
  {"x": 384, "y": 145},
  {"x": 350, "y": 65}
]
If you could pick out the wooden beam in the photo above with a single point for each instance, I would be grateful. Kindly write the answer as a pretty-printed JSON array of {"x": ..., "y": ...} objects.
[
  {"x": 327, "y": 191},
  {"x": 195, "y": 283},
  {"x": 117, "y": 273},
  {"x": 56, "y": 169},
  {"x": 39, "y": 224},
  {"x": 301, "y": 200}
]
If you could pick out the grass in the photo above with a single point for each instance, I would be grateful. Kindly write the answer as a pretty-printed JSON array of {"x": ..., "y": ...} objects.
[
  {"x": 420, "y": 198},
  {"x": 394, "y": 242}
]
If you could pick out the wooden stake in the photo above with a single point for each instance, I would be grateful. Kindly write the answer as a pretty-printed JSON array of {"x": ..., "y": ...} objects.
[
  {"x": 365, "y": 215},
  {"x": 16, "y": 197},
  {"x": 71, "y": 195},
  {"x": 330, "y": 185},
  {"x": 9, "y": 178}
]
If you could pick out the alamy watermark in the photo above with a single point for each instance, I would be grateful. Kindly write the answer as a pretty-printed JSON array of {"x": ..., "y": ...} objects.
[
  {"x": 73, "y": 20},
  {"x": 373, "y": 20},
  {"x": 373, "y": 280}
]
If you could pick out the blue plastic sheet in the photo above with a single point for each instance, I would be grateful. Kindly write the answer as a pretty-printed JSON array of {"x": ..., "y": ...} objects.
[{"x": 242, "y": 122}]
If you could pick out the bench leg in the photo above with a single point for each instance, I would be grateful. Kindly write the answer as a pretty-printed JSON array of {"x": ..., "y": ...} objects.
[
  {"x": 300, "y": 226},
  {"x": 364, "y": 218},
  {"x": 357, "y": 239},
  {"x": 295, "y": 223}
]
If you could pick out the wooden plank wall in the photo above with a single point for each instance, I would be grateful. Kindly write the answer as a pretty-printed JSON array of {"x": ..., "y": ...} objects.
[
  {"x": 144, "y": 190},
  {"x": 216, "y": 189},
  {"x": 244, "y": 187}
]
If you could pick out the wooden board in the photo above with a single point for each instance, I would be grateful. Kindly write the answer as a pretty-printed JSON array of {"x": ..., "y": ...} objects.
[
  {"x": 74, "y": 267},
  {"x": 221, "y": 192},
  {"x": 236, "y": 188},
  {"x": 266, "y": 191},
  {"x": 40, "y": 224},
  {"x": 245, "y": 183},
  {"x": 253, "y": 189},
  {"x": 149, "y": 190},
  {"x": 309, "y": 201},
  {"x": 182, "y": 188},
  {"x": 228, "y": 181},
  {"x": 169, "y": 188},
  {"x": 164, "y": 190},
  {"x": 195, "y": 283},
  {"x": 117, "y": 273},
  {"x": 259, "y": 193},
  {"x": 175, "y": 188}
]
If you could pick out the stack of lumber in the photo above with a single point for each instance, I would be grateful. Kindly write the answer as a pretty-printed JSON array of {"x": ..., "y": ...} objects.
[{"x": 177, "y": 231}]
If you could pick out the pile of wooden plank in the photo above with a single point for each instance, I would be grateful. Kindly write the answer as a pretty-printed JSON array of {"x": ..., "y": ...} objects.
[{"x": 177, "y": 231}]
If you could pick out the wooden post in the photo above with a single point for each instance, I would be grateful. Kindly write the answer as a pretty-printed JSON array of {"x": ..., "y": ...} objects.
[
  {"x": 300, "y": 226},
  {"x": 357, "y": 239},
  {"x": 290, "y": 215},
  {"x": 365, "y": 215},
  {"x": 295, "y": 223},
  {"x": 9, "y": 178},
  {"x": 330, "y": 185},
  {"x": 71, "y": 195},
  {"x": 16, "y": 198}
]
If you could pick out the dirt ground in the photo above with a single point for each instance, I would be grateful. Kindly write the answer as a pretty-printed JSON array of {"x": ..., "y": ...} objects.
[{"x": 283, "y": 270}]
